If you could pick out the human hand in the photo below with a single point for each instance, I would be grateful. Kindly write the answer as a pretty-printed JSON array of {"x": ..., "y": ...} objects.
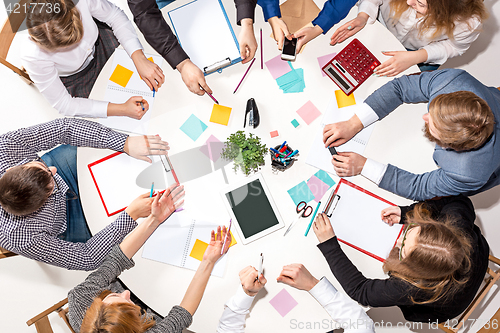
[
  {"x": 212, "y": 253},
  {"x": 297, "y": 276},
  {"x": 132, "y": 108},
  {"x": 150, "y": 72},
  {"x": 164, "y": 204},
  {"x": 193, "y": 77},
  {"x": 247, "y": 41},
  {"x": 251, "y": 285},
  {"x": 338, "y": 133},
  {"x": 280, "y": 31},
  {"x": 306, "y": 34},
  {"x": 141, "y": 146},
  {"x": 400, "y": 61},
  {"x": 349, "y": 29},
  {"x": 391, "y": 215},
  {"x": 140, "y": 207},
  {"x": 323, "y": 228},
  {"x": 348, "y": 164}
]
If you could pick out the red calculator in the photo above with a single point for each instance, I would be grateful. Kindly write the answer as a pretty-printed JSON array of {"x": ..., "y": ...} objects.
[{"x": 351, "y": 66}]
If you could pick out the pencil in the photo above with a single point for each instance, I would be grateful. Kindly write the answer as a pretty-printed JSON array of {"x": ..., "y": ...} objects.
[
  {"x": 312, "y": 219},
  {"x": 212, "y": 97},
  {"x": 244, "y": 75},
  {"x": 261, "y": 51},
  {"x": 152, "y": 187},
  {"x": 228, "y": 231}
]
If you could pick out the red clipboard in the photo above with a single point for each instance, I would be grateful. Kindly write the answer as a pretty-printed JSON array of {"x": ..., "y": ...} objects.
[{"x": 344, "y": 182}]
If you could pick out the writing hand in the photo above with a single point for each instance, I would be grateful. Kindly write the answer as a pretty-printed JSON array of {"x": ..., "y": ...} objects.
[
  {"x": 323, "y": 228},
  {"x": 348, "y": 164}
]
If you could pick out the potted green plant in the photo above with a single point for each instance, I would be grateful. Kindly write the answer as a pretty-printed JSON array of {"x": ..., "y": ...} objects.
[{"x": 247, "y": 153}]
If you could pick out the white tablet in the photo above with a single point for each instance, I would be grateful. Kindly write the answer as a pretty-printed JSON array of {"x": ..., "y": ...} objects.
[{"x": 252, "y": 208}]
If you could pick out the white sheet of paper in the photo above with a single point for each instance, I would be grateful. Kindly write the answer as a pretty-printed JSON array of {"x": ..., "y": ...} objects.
[
  {"x": 135, "y": 87},
  {"x": 203, "y": 32},
  {"x": 356, "y": 220},
  {"x": 173, "y": 240},
  {"x": 318, "y": 155}
]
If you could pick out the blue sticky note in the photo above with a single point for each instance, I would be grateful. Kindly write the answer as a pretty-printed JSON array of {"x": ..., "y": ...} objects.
[
  {"x": 295, "y": 123},
  {"x": 325, "y": 177},
  {"x": 193, "y": 127},
  {"x": 288, "y": 78},
  {"x": 301, "y": 192}
]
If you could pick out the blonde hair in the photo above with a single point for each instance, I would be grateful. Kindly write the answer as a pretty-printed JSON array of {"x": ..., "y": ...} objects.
[
  {"x": 442, "y": 14},
  {"x": 463, "y": 119},
  {"x": 56, "y": 28},
  {"x": 114, "y": 318},
  {"x": 440, "y": 261}
]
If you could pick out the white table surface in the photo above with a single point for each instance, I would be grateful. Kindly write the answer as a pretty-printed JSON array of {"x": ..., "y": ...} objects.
[{"x": 397, "y": 140}]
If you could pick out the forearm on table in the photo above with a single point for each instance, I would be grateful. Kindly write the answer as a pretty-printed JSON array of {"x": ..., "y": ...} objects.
[
  {"x": 196, "y": 288},
  {"x": 136, "y": 239},
  {"x": 332, "y": 13}
]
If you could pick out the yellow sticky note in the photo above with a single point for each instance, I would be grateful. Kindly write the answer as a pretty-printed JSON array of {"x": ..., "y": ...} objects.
[
  {"x": 220, "y": 114},
  {"x": 121, "y": 75},
  {"x": 198, "y": 249},
  {"x": 233, "y": 240},
  {"x": 344, "y": 100},
  {"x": 151, "y": 59}
]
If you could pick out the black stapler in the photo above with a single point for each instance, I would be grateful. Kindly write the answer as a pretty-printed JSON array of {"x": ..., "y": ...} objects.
[{"x": 252, "y": 113}]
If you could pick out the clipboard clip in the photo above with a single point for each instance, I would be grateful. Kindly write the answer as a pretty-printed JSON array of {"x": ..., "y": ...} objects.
[
  {"x": 217, "y": 66},
  {"x": 332, "y": 203},
  {"x": 167, "y": 166}
]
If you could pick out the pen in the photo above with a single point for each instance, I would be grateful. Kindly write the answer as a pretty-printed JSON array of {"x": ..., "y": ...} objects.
[
  {"x": 142, "y": 104},
  {"x": 152, "y": 186},
  {"x": 153, "y": 92},
  {"x": 282, "y": 145},
  {"x": 261, "y": 261},
  {"x": 276, "y": 152},
  {"x": 290, "y": 154},
  {"x": 228, "y": 230},
  {"x": 209, "y": 94},
  {"x": 312, "y": 219},
  {"x": 244, "y": 75},
  {"x": 261, "y": 51}
]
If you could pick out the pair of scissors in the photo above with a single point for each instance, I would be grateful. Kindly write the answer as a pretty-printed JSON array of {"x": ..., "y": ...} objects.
[{"x": 303, "y": 208}]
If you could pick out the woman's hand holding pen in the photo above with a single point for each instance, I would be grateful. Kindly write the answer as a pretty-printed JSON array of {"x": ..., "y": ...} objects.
[
  {"x": 213, "y": 251},
  {"x": 391, "y": 215},
  {"x": 323, "y": 228},
  {"x": 150, "y": 72},
  {"x": 141, "y": 146}
]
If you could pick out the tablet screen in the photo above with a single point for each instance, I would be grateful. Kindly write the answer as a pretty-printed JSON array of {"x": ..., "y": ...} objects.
[{"x": 252, "y": 208}]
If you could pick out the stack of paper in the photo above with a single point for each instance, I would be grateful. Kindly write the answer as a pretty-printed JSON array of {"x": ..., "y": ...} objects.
[{"x": 289, "y": 79}]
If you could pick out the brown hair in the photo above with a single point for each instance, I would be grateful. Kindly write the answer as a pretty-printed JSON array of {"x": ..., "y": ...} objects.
[
  {"x": 114, "y": 318},
  {"x": 440, "y": 261},
  {"x": 442, "y": 14},
  {"x": 24, "y": 189},
  {"x": 464, "y": 120},
  {"x": 55, "y": 28}
]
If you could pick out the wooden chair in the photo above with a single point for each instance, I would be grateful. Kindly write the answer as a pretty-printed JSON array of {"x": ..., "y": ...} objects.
[
  {"x": 42, "y": 322},
  {"x": 9, "y": 30},
  {"x": 6, "y": 253},
  {"x": 491, "y": 278}
]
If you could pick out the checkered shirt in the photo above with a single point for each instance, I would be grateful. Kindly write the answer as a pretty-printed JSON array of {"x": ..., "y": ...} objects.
[{"x": 35, "y": 235}]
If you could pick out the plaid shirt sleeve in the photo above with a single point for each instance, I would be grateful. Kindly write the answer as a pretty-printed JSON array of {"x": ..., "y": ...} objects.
[
  {"x": 24, "y": 143},
  {"x": 41, "y": 246}
]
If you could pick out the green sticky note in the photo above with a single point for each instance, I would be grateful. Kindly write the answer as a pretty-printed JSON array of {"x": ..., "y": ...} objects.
[
  {"x": 301, "y": 192},
  {"x": 325, "y": 177},
  {"x": 295, "y": 123}
]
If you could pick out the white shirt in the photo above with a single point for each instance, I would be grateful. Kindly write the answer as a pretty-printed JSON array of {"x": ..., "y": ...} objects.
[
  {"x": 347, "y": 313},
  {"x": 45, "y": 67},
  {"x": 438, "y": 49}
]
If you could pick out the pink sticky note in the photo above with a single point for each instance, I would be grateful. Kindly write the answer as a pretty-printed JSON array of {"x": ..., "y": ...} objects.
[
  {"x": 278, "y": 67},
  {"x": 317, "y": 187},
  {"x": 322, "y": 61},
  {"x": 212, "y": 148},
  {"x": 308, "y": 112},
  {"x": 283, "y": 302},
  {"x": 274, "y": 134}
]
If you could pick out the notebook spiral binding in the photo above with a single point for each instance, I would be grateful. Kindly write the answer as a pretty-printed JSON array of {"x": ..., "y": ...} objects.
[{"x": 188, "y": 242}]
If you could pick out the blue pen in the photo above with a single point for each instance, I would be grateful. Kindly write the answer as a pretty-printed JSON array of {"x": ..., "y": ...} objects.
[
  {"x": 142, "y": 104},
  {"x": 276, "y": 152},
  {"x": 312, "y": 219},
  {"x": 282, "y": 145},
  {"x": 152, "y": 186},
  {"x": 290, "y": 154},
  {"x": 153, "y": 92}
]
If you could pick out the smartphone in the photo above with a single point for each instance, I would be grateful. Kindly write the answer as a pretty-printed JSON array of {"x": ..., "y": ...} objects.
[{"x": 289, "y": 49}]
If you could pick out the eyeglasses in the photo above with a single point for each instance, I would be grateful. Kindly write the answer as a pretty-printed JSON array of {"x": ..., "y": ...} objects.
[{"x": 411, "y": 225}]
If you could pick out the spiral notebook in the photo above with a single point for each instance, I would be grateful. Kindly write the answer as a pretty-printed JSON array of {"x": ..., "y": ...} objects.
[
  {"x": 173, "y": 242},
  {"x": 319, "y": 156},
  {"x": 124, "y": 82}
]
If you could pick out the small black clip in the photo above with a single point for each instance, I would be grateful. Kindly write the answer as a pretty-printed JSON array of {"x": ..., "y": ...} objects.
[{"x": 254, "y": 118}]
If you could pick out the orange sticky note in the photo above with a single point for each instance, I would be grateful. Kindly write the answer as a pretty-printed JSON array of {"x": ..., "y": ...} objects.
[
  {"x": 220, "y": 114},
  {"x": 274, "y": 134},
  {"x": 198, "y": 249},
  {"x": 344, "y": 100},
  {"x": 151, "y": 59},
  {"x": 121, "y": 75},
  {"x": 233, "y": 240}
]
